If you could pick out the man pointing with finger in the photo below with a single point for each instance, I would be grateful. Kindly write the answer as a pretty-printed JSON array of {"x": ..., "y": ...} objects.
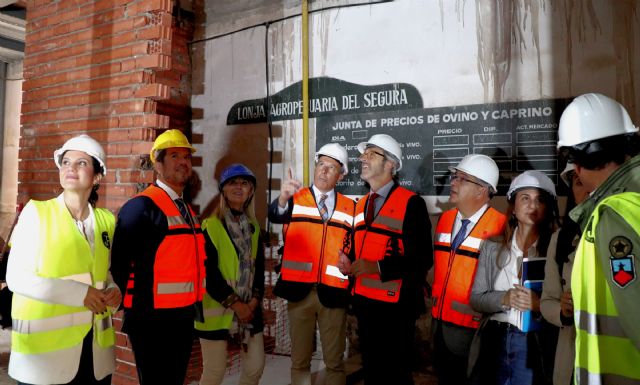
[{"x": 319, "y": 222}]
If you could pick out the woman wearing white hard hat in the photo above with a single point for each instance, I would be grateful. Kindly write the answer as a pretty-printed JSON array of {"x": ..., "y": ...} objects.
[
  {"x": 509, "y": 345},
  {"x": 235, "y": 281},
  {"x": 59, "y": 273}
]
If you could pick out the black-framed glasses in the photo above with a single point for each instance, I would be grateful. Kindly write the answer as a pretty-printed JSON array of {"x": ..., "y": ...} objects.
[
  {"x": 369, "y": 154},
  {"x": 463, "y": 178}
]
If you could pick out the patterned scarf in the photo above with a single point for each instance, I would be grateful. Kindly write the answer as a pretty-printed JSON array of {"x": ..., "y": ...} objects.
[{"x": 240, "y": 231}]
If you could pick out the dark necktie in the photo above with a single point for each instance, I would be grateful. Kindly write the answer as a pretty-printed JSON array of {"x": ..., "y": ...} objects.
[
  {"x": 371, "y": 208},
  {"x": 323, "y": 208},
  {"x": 184, "y": 211},
  {"x": 460, "y": 236}
]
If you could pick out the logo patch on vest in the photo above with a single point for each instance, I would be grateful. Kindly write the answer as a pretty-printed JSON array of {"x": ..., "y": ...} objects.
[
  {"x": 620, "y": 246},
  {"x": 623, "y": 270},
  {"x": 105, "y": 240}
]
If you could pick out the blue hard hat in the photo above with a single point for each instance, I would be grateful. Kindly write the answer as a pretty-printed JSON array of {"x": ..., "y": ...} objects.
[{"x": 237, "y": 170}]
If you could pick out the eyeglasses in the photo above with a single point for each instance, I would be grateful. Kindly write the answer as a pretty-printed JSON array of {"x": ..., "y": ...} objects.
[
  {"x": 463, "y": 178},
  {"x": 369, "y": 154}
]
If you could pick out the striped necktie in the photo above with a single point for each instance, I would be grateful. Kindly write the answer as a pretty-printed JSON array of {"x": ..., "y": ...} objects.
[
  {"x": 184, "y": 211},
  {"x": 323, "y": 208}
]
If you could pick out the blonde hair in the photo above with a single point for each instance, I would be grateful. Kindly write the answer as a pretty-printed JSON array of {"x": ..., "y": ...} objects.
[{"x": 249, "y": 206}]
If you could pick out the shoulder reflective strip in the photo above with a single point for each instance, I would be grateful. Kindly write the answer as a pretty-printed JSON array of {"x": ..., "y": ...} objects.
[
  {"x": 342, "y": 217},
  {"x": 599, "y": 324},
  {"x": 392, "y": 223},
  {"x": 304, "y": 210},
  {"x": 378, "y": 284},
  {"x": 443, "y": 237},
  {"x": 217, "y": 312},
  {"x": 52, "y": 323},
  {"x": 335, "y": 272},
  {"x": 100, "y": 285},
  {"x": 472, "y": 242},
  {"x": 295, "y": 265},
  {"x": 359, "y": 219},
  {"x": 176, "y": 220},
  {"x": 82, "y": 278},
  {"x": 204, "y": 283},
  {"x": 175, "y": 288},
  {"x": 104, "y": 324},
  {"x": 583, "y": 377},
  {"x": 464, "y": 308}
]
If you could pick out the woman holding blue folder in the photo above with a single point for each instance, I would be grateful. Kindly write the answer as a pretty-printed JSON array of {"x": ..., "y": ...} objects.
[{"x": 508, "y": 347}]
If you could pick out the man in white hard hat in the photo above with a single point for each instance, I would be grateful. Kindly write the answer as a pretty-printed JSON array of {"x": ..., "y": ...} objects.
[
  {"x": 597, "y": 134},
  {"x": 458, "y": 236},
  {"x": 319, "y": 220},
  {"x": 392, "y": 249},
  {"x": 157, "y": 260}
]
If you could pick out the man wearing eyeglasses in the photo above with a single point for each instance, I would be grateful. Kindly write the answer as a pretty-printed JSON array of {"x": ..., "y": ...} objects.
[
  {"x": 392, "y": 250},
  {"x": 458, "y": 236},
  {"x": 318, "y": 221}
]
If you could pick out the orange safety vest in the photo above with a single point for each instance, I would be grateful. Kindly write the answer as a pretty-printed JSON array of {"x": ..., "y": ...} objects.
[
  {"x": 178, "y": 270},
  {"x": 311, "y": 245},
  {"x": 384, "y": 233},
  {"x": 454, "y": 273}
]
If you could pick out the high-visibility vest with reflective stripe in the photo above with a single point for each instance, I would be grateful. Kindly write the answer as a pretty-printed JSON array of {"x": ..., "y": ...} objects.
[
  {"x": 374, "y": 241},
  {"x": 454, "y": 272},
  {"x": 604, "y": 353},
  {"x": 216, "y": 316},
  {"x": 311, "y": 245},
  {"x": 40, "y": 327},
  {"x": 178, "y": 270}
]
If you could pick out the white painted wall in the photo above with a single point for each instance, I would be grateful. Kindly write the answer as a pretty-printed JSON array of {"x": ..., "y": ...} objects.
[{"x": 455, "y": 52}]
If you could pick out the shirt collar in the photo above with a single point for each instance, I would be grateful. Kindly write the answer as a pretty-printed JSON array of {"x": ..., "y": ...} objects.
[
  {"x": 172, "y": 194},
  {"x": 60, "y": 199},
  {"x": 531, "y": 253},
  {"x": 476, "y": 216},
  {"x": 317, "y": 193},
  {"x": 384, "y": 190}
]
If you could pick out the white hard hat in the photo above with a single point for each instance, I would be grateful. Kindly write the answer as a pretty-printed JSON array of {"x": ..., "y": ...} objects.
[
  {"x": 531, "y": 178},
  {"x": 593, "y": 116},
  {"x": 566, "y": 173},
  {"x": 83, "y": 143},
  {"x": 481, "y": 167},
  {"x": 337, "y": 152},
  {"x": 386, "y": 143}
]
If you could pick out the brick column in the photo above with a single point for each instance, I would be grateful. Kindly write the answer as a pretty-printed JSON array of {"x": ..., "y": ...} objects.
[{"x": 116, "y": 70}]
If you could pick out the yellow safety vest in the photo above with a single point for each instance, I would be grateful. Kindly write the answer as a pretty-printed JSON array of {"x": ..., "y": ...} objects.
[
  {"x": 604, "y": 353},
  {"x": 40, "y": 327},
  {"x": 216, "y": 316}
]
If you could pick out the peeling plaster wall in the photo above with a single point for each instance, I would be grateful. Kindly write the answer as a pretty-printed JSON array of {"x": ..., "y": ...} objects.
[{"x": 454, "y": 52}]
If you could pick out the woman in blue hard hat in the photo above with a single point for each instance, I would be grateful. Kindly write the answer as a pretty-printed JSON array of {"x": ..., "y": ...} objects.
[
  {"x": 509, "y": 346},
  {"x": 59, "y": 273},
  {"x": 235, "y": 281}
]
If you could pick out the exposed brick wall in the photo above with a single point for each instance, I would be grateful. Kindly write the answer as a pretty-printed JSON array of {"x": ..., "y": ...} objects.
[
  {"x": 99, "y": 67},
  {"x": 116, "y": 70}
]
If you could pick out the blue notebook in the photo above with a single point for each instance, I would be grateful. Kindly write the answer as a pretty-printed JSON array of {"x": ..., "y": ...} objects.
[{"x": 532, "y": 278}]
